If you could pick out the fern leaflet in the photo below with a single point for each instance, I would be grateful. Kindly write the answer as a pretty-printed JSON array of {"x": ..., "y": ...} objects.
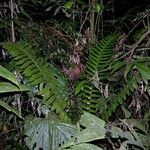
[{"x": 118, "y": 99}]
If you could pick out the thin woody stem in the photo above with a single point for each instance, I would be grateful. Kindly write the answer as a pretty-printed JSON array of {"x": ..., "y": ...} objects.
[
  {"x": 12, "y": 22},
  {"x": 92, "y": 20}
]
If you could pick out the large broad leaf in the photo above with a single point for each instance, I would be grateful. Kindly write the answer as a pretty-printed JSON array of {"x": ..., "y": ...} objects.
[
  {"x": 94, "y": 130},
  {"x": 7, "y": 75},
  {"x": 11, "y": 109},
  {"x": 131, "y": 137},
  {"x": 47, "y": 133},
  {"x": 84, "y": 146},
  {"x": 8, "y": 87}
]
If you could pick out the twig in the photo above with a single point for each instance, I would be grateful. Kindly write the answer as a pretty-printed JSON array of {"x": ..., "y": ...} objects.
[
  {"x": 84, "y": 20},
  {"x": 148, "y": 43},
  {"x": 136, "y": 45},
  {"x": 92, "y": 21},
  {"x": 102, "y": 22}
]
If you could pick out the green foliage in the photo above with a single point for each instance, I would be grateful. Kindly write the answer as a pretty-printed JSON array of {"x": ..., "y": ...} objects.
[
  {"x": 92, "y": 128},
  {"x": 68, "y": 4},
  {"x": 112, "y": 78},
  {"x": 51, "y": 133},
  {"x": 8, "y": 75},
  {"x": 127, "y": 89},
  {"x": 6, "y": 87},
  {"x": 47, "y": 133},
  {"x": 98, "y": 62},
  {"x": 100, "y": 56},
  {"x": 11, "y": 109},
  {"x": 139, "y": 33},
  {"x": 144, "y": 71},
  {"x": 11, "y": 86},
  {"x": 36, "y": 70},
  {"x": 91, "y": 123}
]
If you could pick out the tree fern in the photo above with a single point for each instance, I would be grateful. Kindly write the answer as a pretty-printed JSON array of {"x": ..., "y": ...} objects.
[
  {"x": 37, "y": 71},
  {"x": 99, "y": 60}
]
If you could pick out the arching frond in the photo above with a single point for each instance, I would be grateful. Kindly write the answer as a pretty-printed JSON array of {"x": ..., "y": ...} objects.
[{"x": 37, "y": 71}]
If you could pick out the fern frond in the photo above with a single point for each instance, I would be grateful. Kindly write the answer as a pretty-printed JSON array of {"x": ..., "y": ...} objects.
[
  {"x": 99, "y": 60},
  {"x": 100, "y": 56},
  {"x": 118, "y": 99},
  {"x": 38, "y": 71}
]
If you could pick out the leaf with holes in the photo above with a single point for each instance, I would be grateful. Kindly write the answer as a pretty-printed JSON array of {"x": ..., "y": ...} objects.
[
  {"x": 47, "y": 133},
  {"x": 94, "y": 130}
]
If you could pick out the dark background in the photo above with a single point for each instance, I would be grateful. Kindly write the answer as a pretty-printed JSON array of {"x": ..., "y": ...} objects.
[{"x": 124, "y": 6}]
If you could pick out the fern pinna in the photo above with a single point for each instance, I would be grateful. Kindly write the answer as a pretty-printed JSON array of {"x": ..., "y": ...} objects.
[
  {"x": 99, "y": 60},
  {"x": 127, "y": 89},
  {"x": 37, "y": 71}
]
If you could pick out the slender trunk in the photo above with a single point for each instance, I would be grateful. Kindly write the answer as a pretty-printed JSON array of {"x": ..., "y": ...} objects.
[
  {"x": 12, "y": 21},
  {"x": 92, "y": 20}
]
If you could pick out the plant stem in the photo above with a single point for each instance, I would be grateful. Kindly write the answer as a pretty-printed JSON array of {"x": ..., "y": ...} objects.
[
  {"x": 12, "y": 22},
  {"x": 92, "y": 20}
]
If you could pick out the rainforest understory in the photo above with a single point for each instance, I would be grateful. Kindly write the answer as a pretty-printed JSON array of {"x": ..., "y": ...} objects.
[{"x": 74, "y": 75}]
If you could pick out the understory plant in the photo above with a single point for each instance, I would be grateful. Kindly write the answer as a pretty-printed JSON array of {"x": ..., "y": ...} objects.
[
  {"x": 51, "y": 88},
  {"x": 68, "y": 84}
]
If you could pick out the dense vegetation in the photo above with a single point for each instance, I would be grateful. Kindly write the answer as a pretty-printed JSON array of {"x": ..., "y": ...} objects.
[{"x": 74, "y": 75}]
